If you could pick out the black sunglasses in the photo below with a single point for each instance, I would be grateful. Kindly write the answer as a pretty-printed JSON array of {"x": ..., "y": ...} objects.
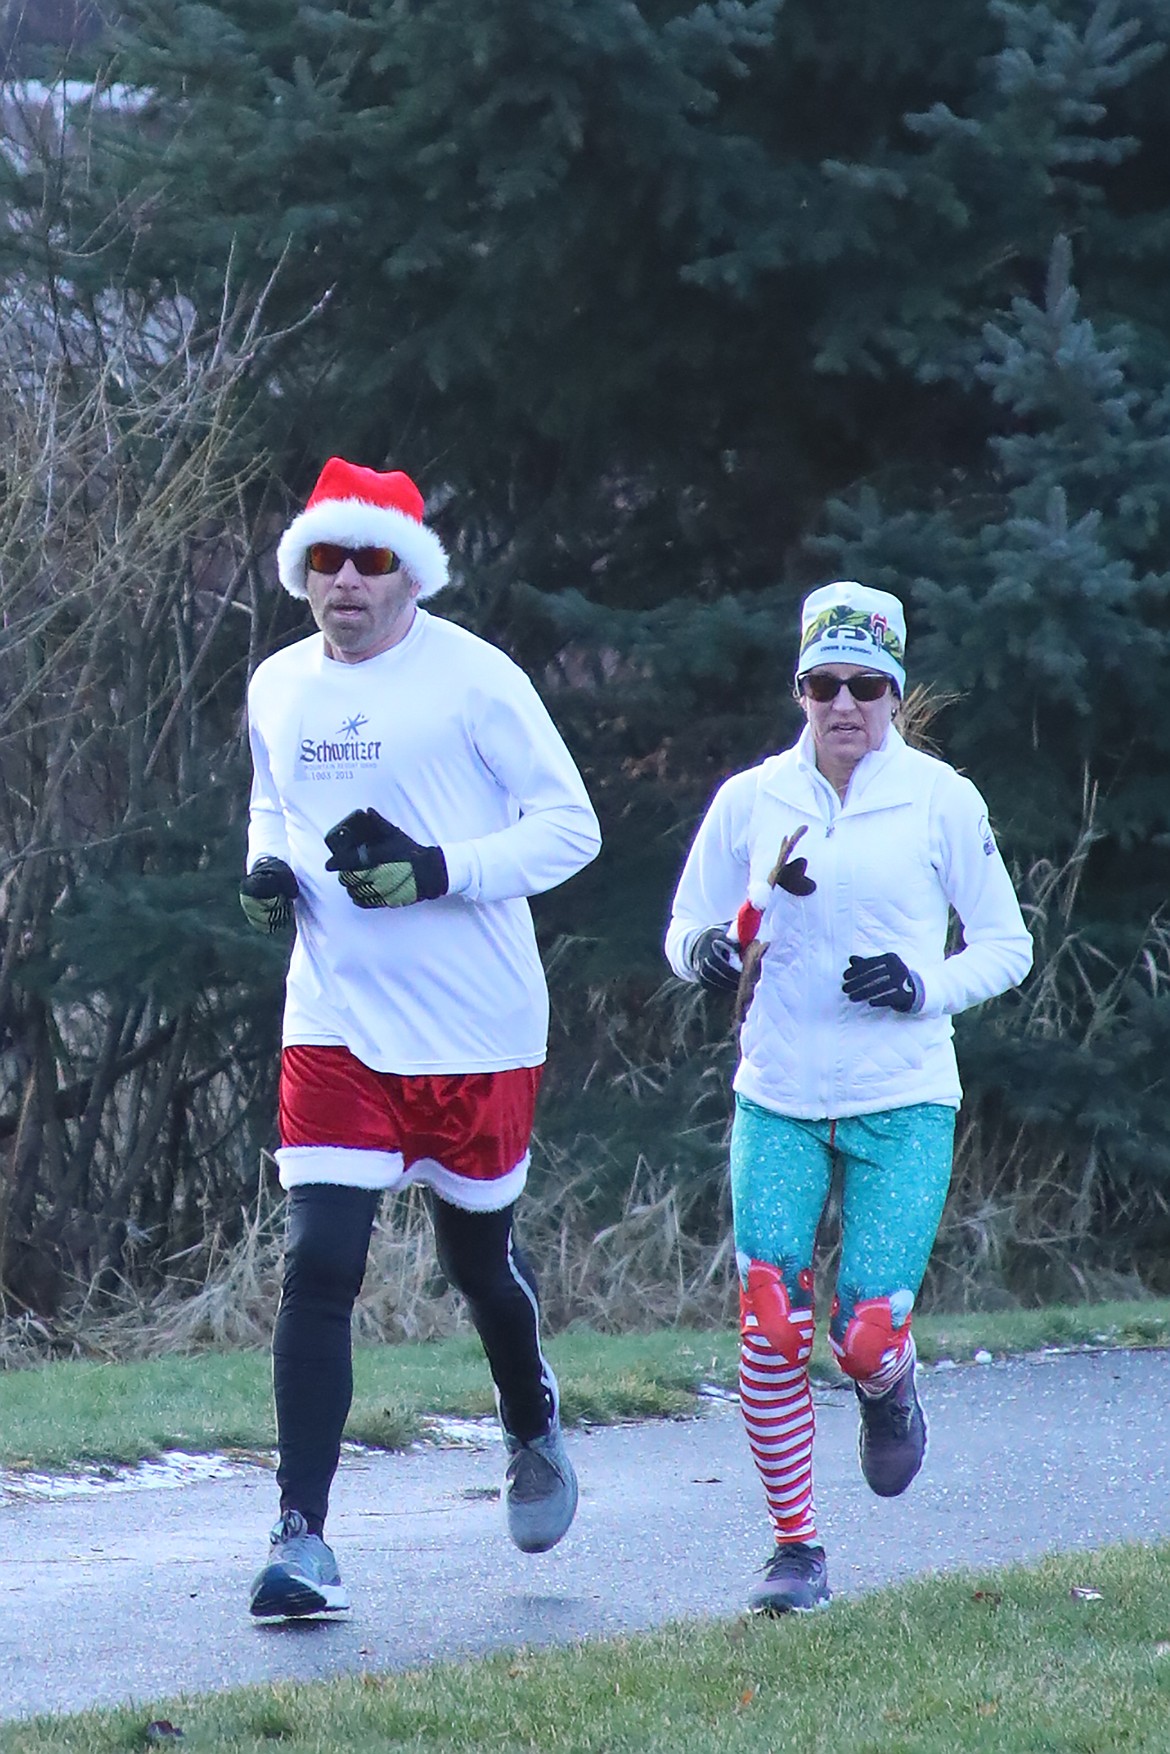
[
  {"x": 330, "y": 557},
  {"x": 820, "y": 685}
]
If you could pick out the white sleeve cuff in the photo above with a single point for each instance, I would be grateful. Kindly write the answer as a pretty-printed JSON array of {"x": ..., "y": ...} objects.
[{"x": 462, "y": 866}]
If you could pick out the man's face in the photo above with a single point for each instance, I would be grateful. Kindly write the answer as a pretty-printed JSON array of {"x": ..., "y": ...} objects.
[
  {"x": 845, "y": 729},
  {"x": 361, "y": 616}
]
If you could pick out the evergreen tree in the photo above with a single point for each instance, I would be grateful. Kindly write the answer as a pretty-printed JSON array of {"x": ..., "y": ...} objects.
[
  {"x": 487, "y": 207},
  {"x": 1042, "y": 587},
  {"x": 675, "y": 310},
  {"x": 634, "y": 283},
  {"x": 1043, "y": 600}
]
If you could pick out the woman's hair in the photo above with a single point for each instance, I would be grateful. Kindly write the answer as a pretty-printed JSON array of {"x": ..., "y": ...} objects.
[{"x": 917, "y": 712}]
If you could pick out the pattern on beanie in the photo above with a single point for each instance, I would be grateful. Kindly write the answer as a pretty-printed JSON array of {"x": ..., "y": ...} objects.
[{"x": 840, "y": 616}]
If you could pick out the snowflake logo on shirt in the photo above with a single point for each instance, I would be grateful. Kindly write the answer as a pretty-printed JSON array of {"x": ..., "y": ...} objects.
[{"x": 339, "y": 756}]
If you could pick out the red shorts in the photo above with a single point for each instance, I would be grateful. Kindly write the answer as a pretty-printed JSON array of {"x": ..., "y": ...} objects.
[{"x": 466, "y": 1134}]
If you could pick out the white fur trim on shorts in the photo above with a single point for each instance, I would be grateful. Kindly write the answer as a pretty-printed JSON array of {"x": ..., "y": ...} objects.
[{"x": 349, "y": 1167}]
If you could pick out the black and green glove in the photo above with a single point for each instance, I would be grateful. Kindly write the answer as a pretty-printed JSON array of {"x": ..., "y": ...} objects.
[
  {"x": 267, "y": 894},
  {"x": 379, "y": 865}
]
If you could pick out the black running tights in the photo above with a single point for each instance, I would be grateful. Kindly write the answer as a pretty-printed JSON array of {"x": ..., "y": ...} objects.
[{"x": 325, "y": 1259}]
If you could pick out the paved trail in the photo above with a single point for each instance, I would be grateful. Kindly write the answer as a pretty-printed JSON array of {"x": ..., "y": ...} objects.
[{"x": 141, "y": 1595}]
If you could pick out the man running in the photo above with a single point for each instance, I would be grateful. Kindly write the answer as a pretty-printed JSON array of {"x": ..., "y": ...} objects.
[{"x": 410, "y": 791}]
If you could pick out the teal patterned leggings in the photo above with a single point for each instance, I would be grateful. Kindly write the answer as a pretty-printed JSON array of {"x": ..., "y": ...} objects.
[{"x": 897, "y": 1168}]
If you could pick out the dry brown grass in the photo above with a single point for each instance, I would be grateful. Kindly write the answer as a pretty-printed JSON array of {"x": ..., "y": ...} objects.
[
  {"x": 645, "y": 1270},
  {"x": 1021, "y": 1225},
  {"x": 1027, "y": 1195}
]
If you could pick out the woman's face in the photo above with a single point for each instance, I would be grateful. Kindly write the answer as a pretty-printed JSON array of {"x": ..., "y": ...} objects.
[{"x": 845, "y": 729}]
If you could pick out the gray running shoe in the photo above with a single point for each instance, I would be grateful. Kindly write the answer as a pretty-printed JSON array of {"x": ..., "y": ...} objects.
[
  {"x": 540, "y": 1490},
  {"x": 892, "y": 1439},
  {"x": 301, "y": 1579},
  {"x": 795, "y": 1581}
]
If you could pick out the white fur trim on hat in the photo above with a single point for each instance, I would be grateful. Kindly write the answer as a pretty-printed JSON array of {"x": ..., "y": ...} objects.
[
  {"x": 357, "y": 524},
  {"x": 848, "y": 623}
]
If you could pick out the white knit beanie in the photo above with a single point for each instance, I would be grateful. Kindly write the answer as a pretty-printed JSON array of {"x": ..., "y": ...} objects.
[{"x": 848, "y": 623}]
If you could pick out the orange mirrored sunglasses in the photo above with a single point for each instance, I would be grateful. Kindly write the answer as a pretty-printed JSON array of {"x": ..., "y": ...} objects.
[{"x": 330, "y": 557}]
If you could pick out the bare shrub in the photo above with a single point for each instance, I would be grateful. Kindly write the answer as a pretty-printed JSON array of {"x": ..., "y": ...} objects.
[
  {"x": 631, "y": 1236},
  {"x": 1041, "y": 1205},
  {"x": 646, "y": 1269},
  {"x": 130, "y": 613}
]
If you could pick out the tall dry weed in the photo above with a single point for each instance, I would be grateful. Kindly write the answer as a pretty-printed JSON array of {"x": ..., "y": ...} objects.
[
  {"x": 648, "y": 1268},
  {"x": 1034, "y": 1194},
  {"x": 625, "y": 1239}
]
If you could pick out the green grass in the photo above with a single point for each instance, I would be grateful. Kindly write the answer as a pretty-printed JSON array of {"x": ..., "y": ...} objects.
[
  {"x": 70, "y": 1413},
  {"x": 990, "y": 1663},
  {"x": 1010, "y": 1332},
  {"x": 82, "y": 1413}
]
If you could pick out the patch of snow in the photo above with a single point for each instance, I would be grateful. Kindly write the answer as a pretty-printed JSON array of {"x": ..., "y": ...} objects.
[
  {"x": 464, "y": 1433},
  {"x": 174, "y": 1468}
]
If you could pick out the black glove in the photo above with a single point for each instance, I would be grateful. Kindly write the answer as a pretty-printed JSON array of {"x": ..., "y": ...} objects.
[
  {"x": 715, "y": 959},
  {"x": 267, "y": 894},
  {"x": 883, "y": 981},
  {"x": 379, "y": 865}
]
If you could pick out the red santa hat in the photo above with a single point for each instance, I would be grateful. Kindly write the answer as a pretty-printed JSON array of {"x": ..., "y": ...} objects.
[{"x": 363, "y": 508}]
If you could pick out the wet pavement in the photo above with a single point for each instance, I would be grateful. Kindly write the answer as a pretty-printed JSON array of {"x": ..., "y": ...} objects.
[{"x": 113, "y": 1596}]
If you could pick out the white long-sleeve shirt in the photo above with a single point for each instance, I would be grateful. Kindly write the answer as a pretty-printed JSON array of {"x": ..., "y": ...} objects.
[
  {"x": 911, "y": 841},
  {"x": 447, "y": 738}
]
